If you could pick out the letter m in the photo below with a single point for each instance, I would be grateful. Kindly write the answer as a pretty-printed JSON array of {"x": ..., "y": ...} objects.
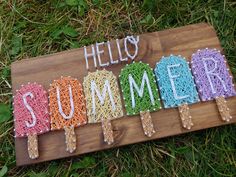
[
  {"x": 101, "y": 97},
  {"x": 140, "y": 90}
]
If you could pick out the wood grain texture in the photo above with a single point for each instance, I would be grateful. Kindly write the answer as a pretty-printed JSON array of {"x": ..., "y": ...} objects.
[{"x": 127, "y": 130}]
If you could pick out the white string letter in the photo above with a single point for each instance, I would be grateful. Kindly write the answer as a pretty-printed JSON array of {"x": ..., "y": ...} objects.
[
  {"x": 140, "y": 91},
  {"x": 71, "y": 104},
  {"x": 106, "y": 88},
  {"x": 86, "y": 55},
  {"x": 99, "y": 56},
  {"x": 29, "y": 109},
  {"x": 133, "y": 41},
  {"x": 211, "y": 72},
  {"x": 119, "y": 51},
  {"x": 110, "y": 54},
  {"x": 172, "y": 77}
]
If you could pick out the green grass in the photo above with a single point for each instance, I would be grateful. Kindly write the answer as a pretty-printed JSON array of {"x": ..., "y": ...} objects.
[{"x": 30, "y": 28}]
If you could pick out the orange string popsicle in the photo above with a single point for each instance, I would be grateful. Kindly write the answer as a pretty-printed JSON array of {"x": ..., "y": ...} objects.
[{"x": 67, "y": 108}]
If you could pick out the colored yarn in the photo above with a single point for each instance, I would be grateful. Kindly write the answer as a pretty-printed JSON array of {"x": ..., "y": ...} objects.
[
  {"x": 33, "y": 146},
  {"x": 182, "y": 89},
  {"x": 223, "y": 109},
  {"x": 147, "y": 124},
  {"x": 39, "y": 105},
  {"x": 206, "y": 60},
  {"x": 185, "y": 116},
  {"x": 99, "y": 109},
  {"x": 146, "y": 100},
  {"x": 79, "y": 114}
]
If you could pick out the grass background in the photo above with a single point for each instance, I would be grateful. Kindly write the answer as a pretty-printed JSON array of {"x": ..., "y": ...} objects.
[{"x": 30, "y": 28}]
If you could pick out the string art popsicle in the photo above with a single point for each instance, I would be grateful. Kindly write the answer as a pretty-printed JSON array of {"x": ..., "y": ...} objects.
[
  {"x": 213, "y": 79},
  {"x": 31, "y": 115},
  {"x": 67, "y": 108},
  {"x": 140, "y": 93},
  {"x": 102, "y": 100},
  {"x": 177, "y": 87}
]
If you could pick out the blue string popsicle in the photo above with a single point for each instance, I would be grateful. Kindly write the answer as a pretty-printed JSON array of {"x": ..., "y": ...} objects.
[{"x": 176, "y": 85}]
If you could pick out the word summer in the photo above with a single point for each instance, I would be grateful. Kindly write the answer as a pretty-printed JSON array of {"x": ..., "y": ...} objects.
[
  {"x": 174, "y": 82},
  {"x": 98, "y": 50}
]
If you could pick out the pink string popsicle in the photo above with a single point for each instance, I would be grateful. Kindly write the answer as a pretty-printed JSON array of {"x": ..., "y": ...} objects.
[{"x": 31, "y": 116}]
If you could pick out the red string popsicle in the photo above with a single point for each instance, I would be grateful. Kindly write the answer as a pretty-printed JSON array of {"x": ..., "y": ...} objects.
[{"x": 31, "y": 115}]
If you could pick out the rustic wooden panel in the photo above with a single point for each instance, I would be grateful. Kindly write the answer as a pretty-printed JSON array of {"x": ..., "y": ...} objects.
[{"x": 127, "y": 130}]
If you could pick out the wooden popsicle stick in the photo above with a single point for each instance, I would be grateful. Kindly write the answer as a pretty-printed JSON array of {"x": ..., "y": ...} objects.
[
  {"x": 70, "y": 139},
  {"x": 223, "y": 109},
  {"x": 185, "y": 116},
  {"x": 147, "y": 124},
  {"x": 33, "y": 146},
  {"x": 107, "y": 131}
]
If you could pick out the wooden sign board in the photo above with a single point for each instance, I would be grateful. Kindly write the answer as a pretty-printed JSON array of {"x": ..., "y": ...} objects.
[{"x": 127, "y": 130}]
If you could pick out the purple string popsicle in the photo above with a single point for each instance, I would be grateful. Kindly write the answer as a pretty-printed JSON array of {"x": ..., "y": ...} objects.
[{"x": 213, "y": 79}]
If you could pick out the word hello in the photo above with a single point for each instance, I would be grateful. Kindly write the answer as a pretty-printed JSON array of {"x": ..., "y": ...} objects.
[{"x": 96, "y": 52}]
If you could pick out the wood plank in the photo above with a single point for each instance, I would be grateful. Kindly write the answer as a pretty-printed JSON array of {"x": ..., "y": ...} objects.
[{"x": 127, "y": 130}]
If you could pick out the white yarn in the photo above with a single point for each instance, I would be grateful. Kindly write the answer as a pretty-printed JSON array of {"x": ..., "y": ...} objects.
[
  {"x": 93, "y": 54},
  {"x": 110, "y": 54},
  {"x": 119, "y": 51},
  {"x": 99, "y": 56},
  {"x": 71, "y": 104},
  {"x": 29, "y": 125},
  {"x": 208, "y": 73},
  {"x": 129, "y": 39},
  {"x": 172, "y": 77},
  {"x": 106, "y": 88},
  {"x": 133, "y": 41},
  {"x": 140, "y": 91}
]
